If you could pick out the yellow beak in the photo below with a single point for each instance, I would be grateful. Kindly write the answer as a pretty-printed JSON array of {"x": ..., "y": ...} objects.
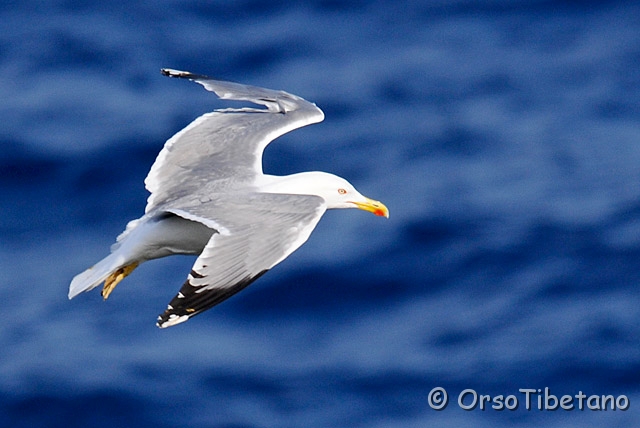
[{"x": 376, "y": 207}]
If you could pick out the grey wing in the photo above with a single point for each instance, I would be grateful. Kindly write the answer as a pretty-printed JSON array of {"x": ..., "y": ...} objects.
[
  {"x": 275, "y": 101},
  {"x": 224, "y": 148},
  {"x": 256, "y": 233}
]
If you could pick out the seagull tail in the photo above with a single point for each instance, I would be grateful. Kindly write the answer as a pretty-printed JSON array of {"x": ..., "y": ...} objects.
[{"x": 92, "y": 277}]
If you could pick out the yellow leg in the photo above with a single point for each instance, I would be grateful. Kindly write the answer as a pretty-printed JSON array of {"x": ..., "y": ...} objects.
[{"x": 117, "y": 276}]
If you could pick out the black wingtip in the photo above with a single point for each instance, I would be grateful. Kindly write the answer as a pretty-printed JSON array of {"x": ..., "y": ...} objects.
[
  {"x": 192, "y": 300},
  {"x": 181, "y": 74}
]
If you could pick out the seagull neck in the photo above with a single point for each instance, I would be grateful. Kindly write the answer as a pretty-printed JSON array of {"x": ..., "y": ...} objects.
[{"x": 288, "y": 184}]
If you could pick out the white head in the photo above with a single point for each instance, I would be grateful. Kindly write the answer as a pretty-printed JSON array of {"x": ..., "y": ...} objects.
[{"x": 336, "y": 191}]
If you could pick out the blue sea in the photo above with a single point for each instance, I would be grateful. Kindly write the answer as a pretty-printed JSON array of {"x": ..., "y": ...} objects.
[{"x": 504, "y": 136}]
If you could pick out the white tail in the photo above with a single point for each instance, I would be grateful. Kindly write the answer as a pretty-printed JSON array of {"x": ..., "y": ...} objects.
[{"x": 92, "y": 277}]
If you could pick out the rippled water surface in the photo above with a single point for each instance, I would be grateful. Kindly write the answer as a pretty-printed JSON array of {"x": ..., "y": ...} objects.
[{"x": 504, "y": 136}]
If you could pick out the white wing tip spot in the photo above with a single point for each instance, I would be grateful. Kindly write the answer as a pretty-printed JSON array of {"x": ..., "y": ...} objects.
[
  {"x": 173, "y": 73},
  {"x": 173, "y": 320}
]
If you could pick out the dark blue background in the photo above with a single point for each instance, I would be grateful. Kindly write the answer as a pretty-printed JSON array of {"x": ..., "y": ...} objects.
[{"x": 503, "y": 135}]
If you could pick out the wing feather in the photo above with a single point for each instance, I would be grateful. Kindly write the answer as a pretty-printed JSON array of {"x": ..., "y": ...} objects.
[
  {"x": 223, "y": 149},
  {"x": 263, "y": 229}
]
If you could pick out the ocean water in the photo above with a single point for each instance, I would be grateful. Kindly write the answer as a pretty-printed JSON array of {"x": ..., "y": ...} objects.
[{"x": 504, "y": 136}]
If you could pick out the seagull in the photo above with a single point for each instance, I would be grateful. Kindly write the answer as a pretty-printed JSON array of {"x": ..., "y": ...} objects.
[{"x": 210, "y": 198}]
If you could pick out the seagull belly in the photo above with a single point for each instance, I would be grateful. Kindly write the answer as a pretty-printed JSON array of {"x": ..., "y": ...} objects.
[{"x": 170, "y": 234}]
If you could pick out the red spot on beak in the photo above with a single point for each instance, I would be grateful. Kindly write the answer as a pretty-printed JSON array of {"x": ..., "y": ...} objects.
[{"x": 375, "y": 207}]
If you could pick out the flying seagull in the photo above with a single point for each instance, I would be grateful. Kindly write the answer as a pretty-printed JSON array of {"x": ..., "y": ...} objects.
[{"x": 209, "y": 197}]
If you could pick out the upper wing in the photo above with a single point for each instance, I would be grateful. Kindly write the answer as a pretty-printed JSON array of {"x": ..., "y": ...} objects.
[
  {"x": 257, "y": 232},
  {"x": 224, "y": 147}
]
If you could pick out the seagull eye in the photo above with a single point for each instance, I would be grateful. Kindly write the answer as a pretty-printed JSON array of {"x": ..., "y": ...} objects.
[{"x": 342, "y": 191}]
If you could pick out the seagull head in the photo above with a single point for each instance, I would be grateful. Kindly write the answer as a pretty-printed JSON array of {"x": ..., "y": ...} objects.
[{"x": 336, "y": 191}]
